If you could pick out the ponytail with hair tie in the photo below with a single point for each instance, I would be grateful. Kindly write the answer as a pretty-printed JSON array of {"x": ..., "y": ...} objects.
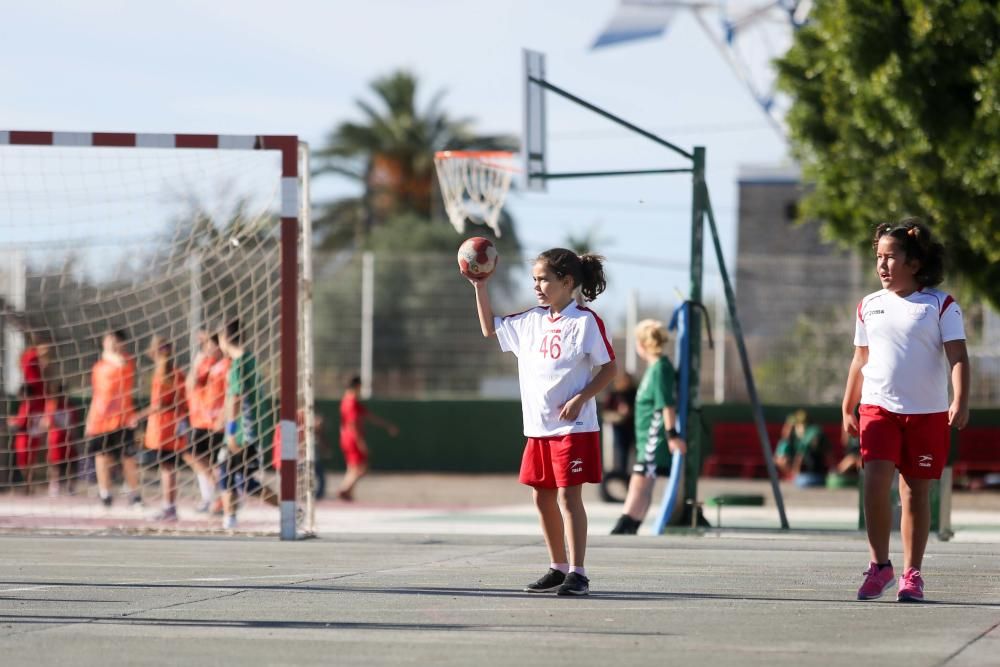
[{"x": 587, "y": 270}]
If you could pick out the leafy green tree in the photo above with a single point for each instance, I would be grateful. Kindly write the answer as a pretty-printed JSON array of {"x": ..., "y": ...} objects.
[
  {"x": 391, "y": 154},
  {"x": 897, "y": 111}
]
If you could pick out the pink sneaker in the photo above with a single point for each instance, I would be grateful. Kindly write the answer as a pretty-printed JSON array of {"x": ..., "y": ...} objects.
[
  {"x": 876, "y": 582},
  {"x": 911, "y": 586}
]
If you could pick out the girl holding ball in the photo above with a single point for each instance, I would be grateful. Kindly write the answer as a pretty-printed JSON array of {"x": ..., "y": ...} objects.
[{"x": 558, "y": 345}]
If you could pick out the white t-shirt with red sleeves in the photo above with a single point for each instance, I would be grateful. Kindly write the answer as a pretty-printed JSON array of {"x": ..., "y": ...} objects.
[
  {"x": 556, "y": 355},
  {"x": 907, "y": 370}
]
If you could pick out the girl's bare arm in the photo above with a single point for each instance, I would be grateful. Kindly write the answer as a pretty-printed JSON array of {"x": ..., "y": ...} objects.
[{"x": 852, "y": 392}]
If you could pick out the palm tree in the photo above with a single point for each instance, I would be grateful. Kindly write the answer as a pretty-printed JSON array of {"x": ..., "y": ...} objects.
[
  {"x": 392, "y": 154},
  {"x": 587, "y": 241}
]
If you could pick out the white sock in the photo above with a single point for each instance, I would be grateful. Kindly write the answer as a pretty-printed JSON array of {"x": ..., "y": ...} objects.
[
  {"x": 207, "y": 487},
  {"x": 104, "y": 493},
  {"x": 579, "y": 569},
  {"x": 562, "y": 567}
]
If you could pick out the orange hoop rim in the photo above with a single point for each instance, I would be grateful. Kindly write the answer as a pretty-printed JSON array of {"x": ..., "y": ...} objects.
[
  {"x": 444, "y": 155},
  {"x": 496, "y": 159}
]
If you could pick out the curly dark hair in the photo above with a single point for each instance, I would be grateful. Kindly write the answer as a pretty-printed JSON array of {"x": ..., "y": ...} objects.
[
  {"x": 914, "y": 237},
  {"x": 587, "y": 270}
]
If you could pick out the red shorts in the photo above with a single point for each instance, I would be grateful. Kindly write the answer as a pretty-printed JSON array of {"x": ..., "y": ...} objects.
[
  {"x": 60, "y": 452},
  {"x": 28, "y": 451},
  {"x": 562, "y": 460},
  {"x": 352, "y": 453},
  {"x": 917, "y": 444}
]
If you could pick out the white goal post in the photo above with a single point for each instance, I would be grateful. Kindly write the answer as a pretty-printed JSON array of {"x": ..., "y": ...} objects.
[{"x": 160, "y": 236}]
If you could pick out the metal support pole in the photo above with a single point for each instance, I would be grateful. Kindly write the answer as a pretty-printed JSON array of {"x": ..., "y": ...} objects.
[
  {"x": 693, "y": 460},
  {"x": 306, "y": 336},
  {"x": 631, "y": 320},
  {"x": 719, "y": 384},
  {"x": 367, "y": 321},
  {"x": 758, "y": 411},
  {"x": 613, "y": 118},
  {"x": 195, "y": 315}
]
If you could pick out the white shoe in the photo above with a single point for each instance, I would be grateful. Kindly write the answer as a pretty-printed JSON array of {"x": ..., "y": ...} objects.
[{"x": 229, "y": 522}]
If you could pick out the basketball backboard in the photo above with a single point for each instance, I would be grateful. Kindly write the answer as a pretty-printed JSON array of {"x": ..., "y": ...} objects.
[{"x": 533, "y": 147}]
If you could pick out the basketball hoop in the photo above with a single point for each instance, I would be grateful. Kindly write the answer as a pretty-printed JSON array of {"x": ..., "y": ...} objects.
[{"x": 474, "y": 185}]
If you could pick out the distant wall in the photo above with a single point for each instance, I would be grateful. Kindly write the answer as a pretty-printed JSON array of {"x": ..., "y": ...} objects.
[{"x": 447, "y": 436}]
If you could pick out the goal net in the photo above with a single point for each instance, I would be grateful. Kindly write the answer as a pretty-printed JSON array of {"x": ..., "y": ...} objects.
[{"x": 160, "y": 241}]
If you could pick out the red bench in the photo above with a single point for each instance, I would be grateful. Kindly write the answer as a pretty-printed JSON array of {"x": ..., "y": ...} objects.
[
  {"x": 978, "y": 451},
  {"x": 736, "y": 449}
]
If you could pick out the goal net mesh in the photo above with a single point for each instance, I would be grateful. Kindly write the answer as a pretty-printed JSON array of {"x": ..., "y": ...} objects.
[{"x": 163, "y": 245}]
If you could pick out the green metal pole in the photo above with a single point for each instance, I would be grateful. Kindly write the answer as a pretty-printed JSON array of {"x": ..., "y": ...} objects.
[
  {"x": 693, "y": 460},
  {"x": 734, "y": 322}
]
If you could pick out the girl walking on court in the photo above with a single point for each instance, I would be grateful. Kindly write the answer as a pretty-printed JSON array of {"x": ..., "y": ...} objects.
[
  {"x": 656, "y": 433},
  {"x": 909, "y": 340},
  {"x": 353, "y": 415},
  {"x": 558, "y": 344}
]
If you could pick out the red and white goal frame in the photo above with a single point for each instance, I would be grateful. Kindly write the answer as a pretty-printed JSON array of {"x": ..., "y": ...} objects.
[{"x": 295, "y": 520}]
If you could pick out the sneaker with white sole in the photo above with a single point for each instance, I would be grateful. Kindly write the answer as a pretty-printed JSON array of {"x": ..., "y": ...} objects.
[
  {"x": 548, "y": 582},
  {"x": 229, "y": 521},
  {"x": 877, "y": 581},
  {"x": 911, "y": 586}
]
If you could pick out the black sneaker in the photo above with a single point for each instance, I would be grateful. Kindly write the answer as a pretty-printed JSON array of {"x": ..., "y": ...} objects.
[
  {"x": 626, "y": 526},
  {"x": 106, "y": 501},
  {"x": 575, "y": 584},
  {"x": 550, "y": 581}
]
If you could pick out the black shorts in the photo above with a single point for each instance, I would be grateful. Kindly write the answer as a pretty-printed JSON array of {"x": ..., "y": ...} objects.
[
  {"x": 168, "y": 457},
  {"x": 205, "y": 443},
  {"x": 235, "y": 471},
  {"x": 650, "y": 469},
  {"x": 114, "y": 443}
]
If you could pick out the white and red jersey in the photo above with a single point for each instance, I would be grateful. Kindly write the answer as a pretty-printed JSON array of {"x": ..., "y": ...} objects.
[
  {"x": 907, "y": 370},
  {"x": 556, "y": 355}
]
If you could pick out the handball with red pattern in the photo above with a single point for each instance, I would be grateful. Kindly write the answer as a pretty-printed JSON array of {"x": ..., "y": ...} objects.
[{"x": 477, "y": 258}]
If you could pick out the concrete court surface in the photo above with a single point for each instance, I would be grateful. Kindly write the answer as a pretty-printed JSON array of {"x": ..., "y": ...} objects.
[{"x": 434, "y": 599}]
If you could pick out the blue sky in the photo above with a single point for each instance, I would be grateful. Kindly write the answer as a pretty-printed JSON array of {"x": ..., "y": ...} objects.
[{"x": 298, "y": 66}]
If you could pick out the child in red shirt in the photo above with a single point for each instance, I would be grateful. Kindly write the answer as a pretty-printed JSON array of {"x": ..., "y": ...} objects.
[
  {"x": 29, "y": 437},
  {"x": 353, "y": 414}
]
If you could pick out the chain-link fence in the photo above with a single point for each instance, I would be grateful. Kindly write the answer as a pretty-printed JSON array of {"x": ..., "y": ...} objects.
[
  {"x": 423, "y": 335},
  {"x": 797, "y": 315}
]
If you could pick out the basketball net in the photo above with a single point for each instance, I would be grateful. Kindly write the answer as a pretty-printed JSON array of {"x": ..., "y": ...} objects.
[{"x": 474, "y": 185}]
